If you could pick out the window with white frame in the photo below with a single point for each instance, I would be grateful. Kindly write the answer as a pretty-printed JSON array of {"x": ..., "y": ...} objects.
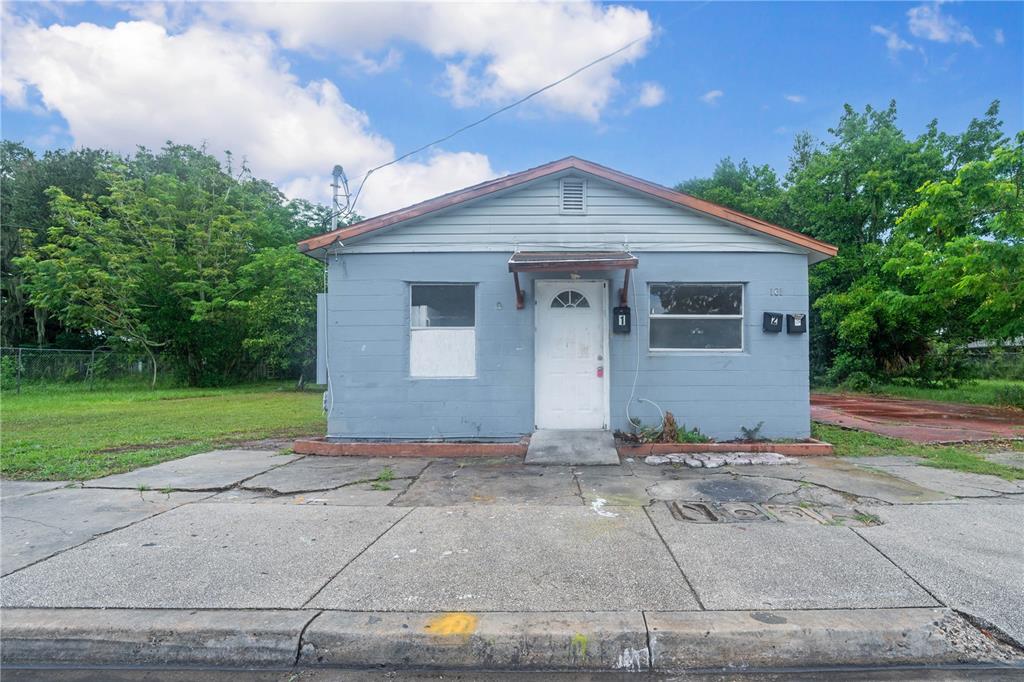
[
  {"x": 442, "y": 330},
  {"x": 696, "y": 316}
]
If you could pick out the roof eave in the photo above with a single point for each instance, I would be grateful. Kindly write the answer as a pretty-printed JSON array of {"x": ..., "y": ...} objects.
[{"x": 445, "y": 201}]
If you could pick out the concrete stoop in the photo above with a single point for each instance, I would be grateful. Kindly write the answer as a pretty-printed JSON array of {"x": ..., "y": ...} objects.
[
  {"x": 572, "y": 448},
  {"x": 608, "y": 641}
]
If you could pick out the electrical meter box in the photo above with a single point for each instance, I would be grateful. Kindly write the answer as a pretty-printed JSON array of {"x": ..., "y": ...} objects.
[
  {"x": 621, "y": 319},
  {"x": 772, "y": 322},
  {"x": 796, "y": 323}
]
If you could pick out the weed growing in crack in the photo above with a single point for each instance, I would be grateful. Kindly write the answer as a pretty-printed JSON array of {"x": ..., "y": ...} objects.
[
  {"x": 386, "y": 474},
  {"x": 868, "y": 519}
]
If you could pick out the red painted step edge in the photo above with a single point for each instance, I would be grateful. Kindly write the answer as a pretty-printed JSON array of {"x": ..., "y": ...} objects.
[
  {"x": 806, "y": 448},
  {"x": 320, "y": 446}
]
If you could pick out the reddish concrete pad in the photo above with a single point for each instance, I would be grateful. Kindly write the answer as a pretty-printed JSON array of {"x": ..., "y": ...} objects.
[{"x": 920, "y": 421}]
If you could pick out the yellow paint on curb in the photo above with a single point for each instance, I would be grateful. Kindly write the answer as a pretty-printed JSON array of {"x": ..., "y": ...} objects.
[{"x": 452, "y": 624}]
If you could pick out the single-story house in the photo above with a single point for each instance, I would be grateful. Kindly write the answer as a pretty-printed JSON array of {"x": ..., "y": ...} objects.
[{"x": 567, "y": 296}]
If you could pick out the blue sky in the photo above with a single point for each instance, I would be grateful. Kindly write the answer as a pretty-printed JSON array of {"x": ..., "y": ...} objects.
[{"x": 297, "y": 88}]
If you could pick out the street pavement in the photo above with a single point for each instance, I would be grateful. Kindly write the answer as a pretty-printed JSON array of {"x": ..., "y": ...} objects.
[{"x": 312, "y": 536}]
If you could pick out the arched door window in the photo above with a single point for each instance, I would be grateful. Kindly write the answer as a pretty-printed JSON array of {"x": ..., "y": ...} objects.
[{"x": 570, "y": 299}]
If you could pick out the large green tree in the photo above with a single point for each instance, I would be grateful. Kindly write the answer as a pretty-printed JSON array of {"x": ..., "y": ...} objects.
[
  {"x": 183, "y": 257},
  {"x": 871, "y": 190},
  {"x": 25, "y": 217}
]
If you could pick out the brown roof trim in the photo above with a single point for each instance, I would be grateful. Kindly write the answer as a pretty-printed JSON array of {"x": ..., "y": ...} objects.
[{"x": 571, "y": 162}]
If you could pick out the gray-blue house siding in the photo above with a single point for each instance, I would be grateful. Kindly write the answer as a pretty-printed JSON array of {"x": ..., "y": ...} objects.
[{"x": 365, "y": 316}]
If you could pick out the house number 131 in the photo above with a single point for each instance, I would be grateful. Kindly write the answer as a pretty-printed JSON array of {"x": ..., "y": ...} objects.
[{"x": 775, "y": 291}]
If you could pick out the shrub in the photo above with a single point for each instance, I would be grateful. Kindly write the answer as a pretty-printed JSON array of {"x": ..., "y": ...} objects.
[
  {"x": 858, "y": 381},
  {"x": 8, "y": 371},
  {"x": 1010, "y": 395}
]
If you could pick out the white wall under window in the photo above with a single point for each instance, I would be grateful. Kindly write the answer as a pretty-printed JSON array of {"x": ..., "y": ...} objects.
[{"x": 442, "y": 331}]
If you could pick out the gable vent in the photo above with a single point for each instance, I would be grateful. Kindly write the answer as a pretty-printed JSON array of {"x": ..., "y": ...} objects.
[{"x": 573, "y": 195}]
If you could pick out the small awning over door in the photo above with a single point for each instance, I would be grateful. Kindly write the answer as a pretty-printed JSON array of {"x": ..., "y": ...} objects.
[{"x": 570, "y": 261}]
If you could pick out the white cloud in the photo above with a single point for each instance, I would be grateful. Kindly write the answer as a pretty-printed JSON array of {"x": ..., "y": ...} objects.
[
  {"x": 929, "y": 22},
  {"x": 893, "y": 42},
  {"x": 135, "y": 83},
  {"x": 999, "y": 37},
  {"x": 651, "y": 95},
  {"x": 373, "y": 66},
  {"x": 711, "y": 96},
  {"x": 795, "y": 99},
  {"x": 493, "y": 52}
]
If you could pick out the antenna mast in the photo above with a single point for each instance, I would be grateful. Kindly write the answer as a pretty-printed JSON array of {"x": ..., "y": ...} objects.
[{"x": 340, "y": 182}]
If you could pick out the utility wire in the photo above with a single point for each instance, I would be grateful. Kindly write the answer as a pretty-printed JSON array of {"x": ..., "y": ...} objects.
[
  {"x": 350, "y": 209},
  {"x": 491, "y": 115}
]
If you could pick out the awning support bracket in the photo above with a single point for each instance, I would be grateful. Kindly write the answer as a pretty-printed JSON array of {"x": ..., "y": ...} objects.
[
  {"x": 520, "y": 296},
  {"x": 624, "y": 291}
]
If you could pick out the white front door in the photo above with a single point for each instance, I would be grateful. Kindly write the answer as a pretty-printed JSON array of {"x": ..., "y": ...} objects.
[{"x": 571, "y": 354}]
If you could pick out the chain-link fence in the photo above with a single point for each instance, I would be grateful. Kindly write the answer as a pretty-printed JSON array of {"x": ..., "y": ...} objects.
[{"x": 21, "y": 367}]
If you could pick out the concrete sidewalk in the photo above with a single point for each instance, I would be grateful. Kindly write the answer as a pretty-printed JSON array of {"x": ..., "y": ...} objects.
[{"x": 251, "y": 558}]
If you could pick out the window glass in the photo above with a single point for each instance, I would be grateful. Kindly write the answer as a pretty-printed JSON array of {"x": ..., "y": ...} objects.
[
  {"x": 696, "y": 299},
  {"x": 699, "y": 333},
  {"x": 570, "y": 299},
  {"x": 443, "y": 305},
  {"x": 696, "y": 316}
]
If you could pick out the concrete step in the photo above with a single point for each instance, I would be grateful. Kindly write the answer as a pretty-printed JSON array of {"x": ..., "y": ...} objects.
[{"x": 551, "y": 446}]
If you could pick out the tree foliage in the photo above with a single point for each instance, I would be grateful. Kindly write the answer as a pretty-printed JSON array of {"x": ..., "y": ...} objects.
[
  {"x": 175, "y": 254},
  {"x": 929, "y": 231}
]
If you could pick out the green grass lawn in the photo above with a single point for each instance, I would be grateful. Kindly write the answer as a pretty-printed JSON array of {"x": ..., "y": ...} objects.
[
  {"x": 998, "y": 392},
  {"x": 966, "y": 457},
  {"x": 70, "y": 433}
]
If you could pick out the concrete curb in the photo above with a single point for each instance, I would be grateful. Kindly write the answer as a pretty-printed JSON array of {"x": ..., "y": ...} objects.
[
  {"x": 606, "y": 641},
  {"x": 745, "y": 639},
  {"x": 479, "y": 641},
  {"x": 152, "y": 637}
]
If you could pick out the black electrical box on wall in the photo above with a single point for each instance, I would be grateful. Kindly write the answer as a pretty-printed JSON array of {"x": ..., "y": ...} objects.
[
  {"x": 796, "y": 323},
  {"x": 772, "y": 322},
  {"x": 620, "y": 319}
]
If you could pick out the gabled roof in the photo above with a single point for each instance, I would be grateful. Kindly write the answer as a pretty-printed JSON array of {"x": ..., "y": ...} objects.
[{"x": 569, "y": 163}]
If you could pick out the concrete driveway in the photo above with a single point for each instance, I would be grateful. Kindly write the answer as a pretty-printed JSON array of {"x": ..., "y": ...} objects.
[{"x": 253, "y": 532}]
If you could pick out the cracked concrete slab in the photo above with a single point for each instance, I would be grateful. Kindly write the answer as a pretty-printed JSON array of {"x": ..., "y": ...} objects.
[
  {"x": 1010, "y": 458},
  {"x": 724, "y": 488},
  {"x": 956, "y": 483},
  {"x": 889, "y": 460},
  {"x": 214, "y": 470},
  {"x": 618, "y": 487},
  {"x": 205, "y": 556},
  {"x": 39, "y": 525},
  {"x": 12, "y": 489},
  {"x": 358, "y": 495},
  {"x": 314, "y": 473},
  {"x": 845, "y": 476},
  {"x": 969, "y": 556},
  {"x": 516, "y": 558},
  {"x": 770, "y": 565},
  {"x": 459, "y": 483}
]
